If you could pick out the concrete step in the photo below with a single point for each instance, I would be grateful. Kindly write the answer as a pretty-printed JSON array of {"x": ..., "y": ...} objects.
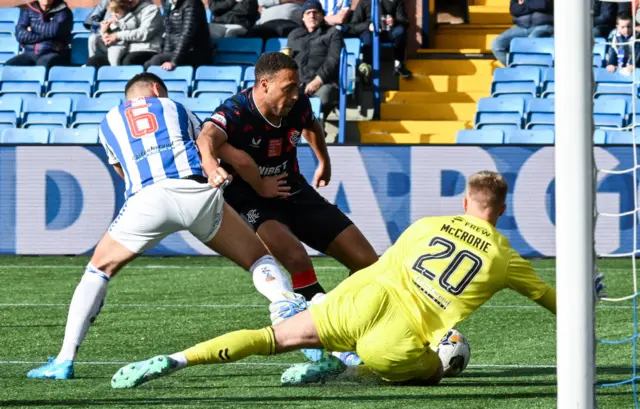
[
  {"x": 430, "y": 112},
  {"x": 453, "y": 67},
  {"x": 412, "y": 127},
  {"x": 447, "y": 83},
  {"x": 402, "y": 97},
  {"x": 468, "y": 36},
  {"x": 490, "y": 15},
  {"x": 403, "y": 138}
]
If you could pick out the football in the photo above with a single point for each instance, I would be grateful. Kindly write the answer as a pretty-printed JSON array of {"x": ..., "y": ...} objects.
[{"x": 454, "y": 353}]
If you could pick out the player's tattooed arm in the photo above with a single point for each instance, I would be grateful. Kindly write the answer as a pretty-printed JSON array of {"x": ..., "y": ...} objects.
[
  {"x": 209, "y": 140},
  {"x": 271, "y": 186},
  {"x": 315, "y": 136}
]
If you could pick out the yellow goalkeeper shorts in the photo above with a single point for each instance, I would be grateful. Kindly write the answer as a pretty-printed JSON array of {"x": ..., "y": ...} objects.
[{"x": 363, "y": 317}]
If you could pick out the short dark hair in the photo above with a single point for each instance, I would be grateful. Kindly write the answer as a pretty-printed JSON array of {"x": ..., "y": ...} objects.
[
  {"x": 144, "y": 78},
  {"x": 272, "y": 63},
  {"x": 624, "y": 15}
]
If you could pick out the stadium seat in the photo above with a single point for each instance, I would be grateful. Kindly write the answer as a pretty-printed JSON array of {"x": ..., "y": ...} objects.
[
  {"x": 548, "y": 87},
  {"x": 78, "y": 28},
  {"x": 479, "y": 136},
  {"x": 611, "y": 83},
  {"x": 80, "y": 48},
  {"x": 353, "y": 46},
  {"x": 275, "y": 44},
  {"x": 244, "y": 51},
  {"x": 22, "y": 80},
  {"x": 85, "y": 136},
  {"x": 526, "y": 137},
  {"x": 499, "y": 113},
  {"x": 27, "y": 136},
  {"x": 10, "y": 110},
  {"x": 80, "y": 14},
  {"x": 316, "y": 107},
  {"x": 221, "y": 82},
  {"x": 70, "y": 80},
  {"x": 249, "y": 77},
  {"x": 208, "y": 15},
  {"x": 531, "y": 51},
  {"x": 202, "y": 107},
  {"x": 599, "y": 137},
  {"x": 597, "y": 61},
  {"x": 46, "y": 112},
  {"x": 540, "y": 114},
  {"x": 114, "y": 79},
  {"x": 600, "y": 50},
  {"x": 7, "y": 27},
  {"x": 516, "y": 81},
  {"x": 621, "y": 138},
  {"x": 178, "y": 80},
  {"x": 89, "y": 112},
  {"x": 609, "y": 113},
  {"x": 10, "y": 14},
  {"x": 9, "y": 48}
]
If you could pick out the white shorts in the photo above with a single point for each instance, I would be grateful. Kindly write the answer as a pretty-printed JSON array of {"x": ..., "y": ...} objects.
[{"x": 166, "y": 207}]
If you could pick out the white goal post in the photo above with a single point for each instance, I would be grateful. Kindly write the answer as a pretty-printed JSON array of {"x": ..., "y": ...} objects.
[{"x": 574, "y": 204}]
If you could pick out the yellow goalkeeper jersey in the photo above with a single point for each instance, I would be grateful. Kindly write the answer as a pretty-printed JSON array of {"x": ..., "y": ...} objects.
[{"x": 442, "y": 269}]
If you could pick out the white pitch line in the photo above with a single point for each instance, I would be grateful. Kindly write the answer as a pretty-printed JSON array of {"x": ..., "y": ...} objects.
[
  {"x": 280, "y": 364},
  {"x": 147, "y": 267},
  {"x": 241, "y": 306}
]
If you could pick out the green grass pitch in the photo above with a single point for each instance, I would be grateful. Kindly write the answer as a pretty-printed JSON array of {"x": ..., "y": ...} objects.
[{"x": 162, "y": 305}]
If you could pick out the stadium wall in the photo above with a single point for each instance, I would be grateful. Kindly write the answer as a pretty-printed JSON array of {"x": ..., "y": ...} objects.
[{"x": 61, "y": 199}]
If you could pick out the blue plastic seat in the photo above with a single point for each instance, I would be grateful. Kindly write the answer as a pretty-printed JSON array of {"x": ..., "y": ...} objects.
[
  {"x": 46, "y": 112},
  {"x": 26, "y": 136},
  {"x": 621, "y": 138},
  {"x": 80, "y": 14},
  {"x": 540, "y": 111},
  {"x": 9, "y": 48},
  {"x": 207, "y": 14},
  {"x": 548, "y": 87},
  {"x": 243, "y": 51},
  {"x": 220, "y": 81},
  {"x": 353, "y": 47},
  {"x": 612, "y": 83},
  {"x": 316, "y": 107},
  {"x": 249, "y": 79},
  {"x": 10, "y": 109},
  {"x": 499, "y": 113},
  {"x": 275, "y": 44},
  {"x": 599, "y": 137},
  {"x": 71, "y": 80},
  {"x": 89, "y": 112},
  {"x": 517, "y": 80},
  {"x": 78, "y": 28},
  {"x": 7, "y": 27},
  {"x": 10, "y": 14},
  {"x": 600, "y": 49},
  {"x": 203, "y": 108},
  {"x": 531, "y": 51},
  {"x": 84, "y": 136},
  {"x": 22, "y": 80},
  {"x": 114, "y": 79},
  {"x": 480, "y": 136},
  {"x": 609, "y": 113},
  {"x": 178, "y": 80},
  {"x": 527, "y": 137},
  {"x": 80, "y": 48}
]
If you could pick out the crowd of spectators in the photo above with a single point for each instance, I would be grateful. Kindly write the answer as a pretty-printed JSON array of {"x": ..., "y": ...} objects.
[
  {"x": 137, "y": 32},
  {"x": 611, "y": 20}
]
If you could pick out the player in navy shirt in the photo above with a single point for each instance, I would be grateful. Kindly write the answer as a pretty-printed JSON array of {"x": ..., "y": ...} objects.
[{"x": 263, "y": 125}]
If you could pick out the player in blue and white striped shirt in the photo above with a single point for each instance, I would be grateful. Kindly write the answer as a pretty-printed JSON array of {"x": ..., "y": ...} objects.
[{"x": 163, "y": 153}]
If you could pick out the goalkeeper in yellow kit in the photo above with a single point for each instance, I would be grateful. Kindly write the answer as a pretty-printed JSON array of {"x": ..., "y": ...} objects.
[{"x": 439, "y": 271}]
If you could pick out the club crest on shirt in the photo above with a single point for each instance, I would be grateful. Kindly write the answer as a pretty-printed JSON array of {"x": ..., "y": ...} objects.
[{"x": 294, "y": 137}]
